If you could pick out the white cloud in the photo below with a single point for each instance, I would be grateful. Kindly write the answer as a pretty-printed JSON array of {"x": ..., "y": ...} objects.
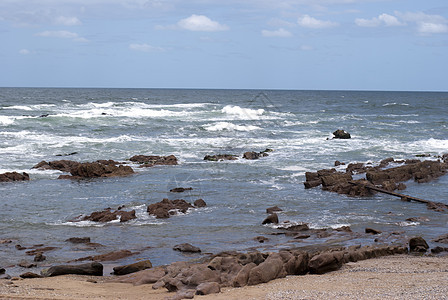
[
  {"x": 201, "y": 23},
  {"x": 67, "y": 21},
  {"x": 24, "y": 51},
  {"x": 310, "y": 22},
  {"x": 427, "y": 27},
  {"x": 276, "y": 33},
  {"x": 145, "y": 48},
  {"x": 383, "y": 19},
  {"x": 62, "y": 34}
]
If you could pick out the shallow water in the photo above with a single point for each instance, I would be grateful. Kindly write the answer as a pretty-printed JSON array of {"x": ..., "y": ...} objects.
[{"x": 39, "y": 124}]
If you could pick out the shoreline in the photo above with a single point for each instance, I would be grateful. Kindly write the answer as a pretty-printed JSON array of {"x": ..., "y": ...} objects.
[{"x": 401, "y": 276}]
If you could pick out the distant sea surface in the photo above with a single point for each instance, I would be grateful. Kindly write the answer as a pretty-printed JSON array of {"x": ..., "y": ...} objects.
[{"x": 41, "y": 124}]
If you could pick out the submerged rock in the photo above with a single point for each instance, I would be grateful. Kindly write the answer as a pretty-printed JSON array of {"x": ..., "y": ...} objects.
[{"x": 166, "y": 207}]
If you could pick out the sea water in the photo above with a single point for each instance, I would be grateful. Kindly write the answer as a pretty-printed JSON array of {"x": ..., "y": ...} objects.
[{"x": 90, "y": 124}]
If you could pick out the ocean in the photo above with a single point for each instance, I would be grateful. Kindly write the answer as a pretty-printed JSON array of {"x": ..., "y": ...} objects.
[{"x": 39, "y": 124}]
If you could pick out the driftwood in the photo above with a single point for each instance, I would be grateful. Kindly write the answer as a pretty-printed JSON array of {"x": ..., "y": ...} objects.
[{"x": 437, "y": 206}]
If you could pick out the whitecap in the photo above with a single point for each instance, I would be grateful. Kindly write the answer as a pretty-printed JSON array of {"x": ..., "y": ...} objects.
[
  {"x": 18, "y": 107},
  {"x": 243, "y": 113},
  {"x": 5, "y": 120},
  {"x": 229, "y": 126}
]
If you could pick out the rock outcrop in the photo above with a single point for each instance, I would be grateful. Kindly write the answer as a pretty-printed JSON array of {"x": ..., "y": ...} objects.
[
  {"x": 154, "y": 160},
  {"x": 108, "y": 215},
  {"x": 165, "y": 208},
  {"x": 94, "y": 268},
  {"x": 341, "y": 134},
  {"x": 220, "y": 157},
  {"x": 14, "y": 176}
]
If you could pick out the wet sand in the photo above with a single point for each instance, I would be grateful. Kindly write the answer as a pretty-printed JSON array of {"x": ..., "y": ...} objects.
[{"x": 392, "y": 277}]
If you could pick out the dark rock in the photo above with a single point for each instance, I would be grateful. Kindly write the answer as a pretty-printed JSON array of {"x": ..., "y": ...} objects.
[
  {"x": 2, "y": 270},
  {"x": 220, "y": 157},
  {"x": 439, "y": 249},
  {"x": 5, "y": 241},
  {"x": 108, "y": 215},
  {"x": 94, "y": 269},
  {"x": 298, "y": 227},
  {"x": 372, "y": 231},
  {"x": 261, "y": 239},
  {"x": 338, "y": 163},
  {"x": 153, "y": 160},
  {"x": 96, "y": 169},
  {"x": 67, "y": 154},
  {"x": 251, "y": 155},
  {"x": 162, "y": 209},
  {"x": 341, "y": 134},
  {"x": 437, "y": 206},
  {"x": 357, "y": 168},
  {"x": 273, "y": 218},
  {"x": 180, "y": 190},
  {"x": 132, "y": 268},
  {"x": 111, "y": 256},
  {"x": 273, "y": 209},
  {"x": 14, "y": 176},
  {"x": 418, "y": 244},
  {"x": 20, "y": 248},
  {"x": 311, "y": 184},
  {"x": 185, "y": 247},
  {"x": 207, "y": 288},
  {"x": 30, "y": 275},
  {"x": 78, "y": 240},
  {"x": 301, "y": 236},
  {"x": 39, "y": 257},
  {"x": 199, "y": 203}
]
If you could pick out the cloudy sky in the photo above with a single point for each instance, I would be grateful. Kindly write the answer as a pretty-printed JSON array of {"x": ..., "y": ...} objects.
[{"x": 264, "y": 44}]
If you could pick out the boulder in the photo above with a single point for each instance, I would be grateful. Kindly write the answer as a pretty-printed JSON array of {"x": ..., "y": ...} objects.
[
  {"x": 242, "y": 276},
  {"x": 341, "y": 134},
  {"x": 96, "y": 169},
  {"x": 164, "y": 208},
  {"x": 207, "y": 288},
  {"x": 39, "y": 257},
  {"x": 199, "y": 203},
  {"x": 372, "y": 231},
  {"x": 418, "y": 244},
  {"x": 267, "y": 270},
  {"x": 186, "y": 247},
  {"x": 107, "y": 215},
  {"x": 14, "y": 176},
  {"x": 94, "y": 268},
  {"x": 273, "y": 209},
  {"x": 132, "y": 268},
  {"x": 153, "y": 160},
  {"x": 220, "y": 157},
  {"x": 251, "y": 155},
  {"x": 61, "y": 165},
  {"x": 326, "y": 262},
  {"x": 273, "y": 218}
]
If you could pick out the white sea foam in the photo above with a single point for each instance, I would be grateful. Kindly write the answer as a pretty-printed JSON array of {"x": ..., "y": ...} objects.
[
  {"x": 6, "y": 120},
  {"x": 230, "y": 126},
  {"x": 243, "y": 113},
  {"x": 18, "y": 107},
  {"x": 395, "y": 103}
]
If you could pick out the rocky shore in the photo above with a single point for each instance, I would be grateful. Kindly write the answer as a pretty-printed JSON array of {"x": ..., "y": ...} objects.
[{"x": 214, "y": 273}]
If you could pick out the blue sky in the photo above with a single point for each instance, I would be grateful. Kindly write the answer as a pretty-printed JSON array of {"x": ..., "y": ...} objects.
[{"x": 265, "y": 44}]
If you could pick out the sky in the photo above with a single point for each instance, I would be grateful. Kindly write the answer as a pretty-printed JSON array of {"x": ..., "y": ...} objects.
[{"x": 393, "y": 45}]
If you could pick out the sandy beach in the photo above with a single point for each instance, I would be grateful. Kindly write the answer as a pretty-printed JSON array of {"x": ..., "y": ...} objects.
[{"x": 392, "y": 277}]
